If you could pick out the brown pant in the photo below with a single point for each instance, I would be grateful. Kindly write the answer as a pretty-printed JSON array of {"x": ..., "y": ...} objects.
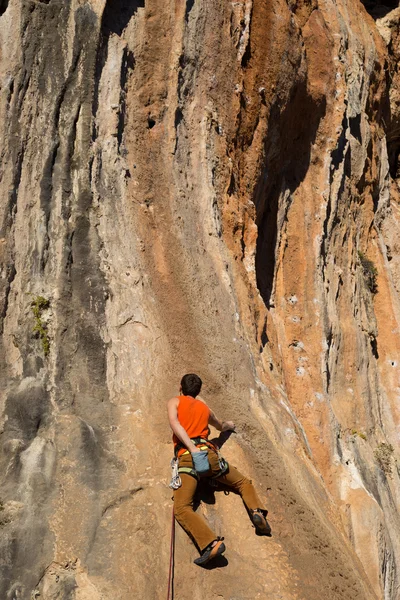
[{"x": 194, "y": 523}]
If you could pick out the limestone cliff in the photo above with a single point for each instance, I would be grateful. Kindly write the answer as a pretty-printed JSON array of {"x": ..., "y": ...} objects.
[{"x": 210, "y": 187}]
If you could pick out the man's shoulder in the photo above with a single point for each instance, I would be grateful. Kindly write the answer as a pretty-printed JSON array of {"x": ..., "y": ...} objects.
[
  {"x": 173, "y": 399},
  {"x": 201, "y": 400}
]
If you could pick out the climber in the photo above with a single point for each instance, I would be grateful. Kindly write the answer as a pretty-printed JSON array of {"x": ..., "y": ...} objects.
[{"x": 189, "y": 419}]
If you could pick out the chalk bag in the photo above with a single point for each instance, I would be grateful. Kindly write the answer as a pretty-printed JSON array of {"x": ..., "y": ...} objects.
[{"x": 200, "y": 462}]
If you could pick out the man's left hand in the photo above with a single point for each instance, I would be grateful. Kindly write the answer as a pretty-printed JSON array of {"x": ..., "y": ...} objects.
[{"x": 228, "y": 426}]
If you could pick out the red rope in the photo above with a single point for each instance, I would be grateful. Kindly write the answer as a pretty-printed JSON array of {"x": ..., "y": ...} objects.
[{"x": 171, "y": 560}]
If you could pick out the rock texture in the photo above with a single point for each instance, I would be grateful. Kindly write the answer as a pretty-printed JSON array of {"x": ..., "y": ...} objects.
[{"x": 210, "y": 187}]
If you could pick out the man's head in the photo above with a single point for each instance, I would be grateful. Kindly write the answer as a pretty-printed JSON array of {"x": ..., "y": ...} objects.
[{"x": 191, "y": 385}]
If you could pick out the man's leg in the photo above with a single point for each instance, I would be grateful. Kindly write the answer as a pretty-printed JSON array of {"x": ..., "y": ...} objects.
[
  {"x": 239, "y": 483},
  {"x": 192, "y": 522},
  {"x": 242, "y": 485}
]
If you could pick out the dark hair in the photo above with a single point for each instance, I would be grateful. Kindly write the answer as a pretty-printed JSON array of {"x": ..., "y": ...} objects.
[{"x": 191, "y": 385}]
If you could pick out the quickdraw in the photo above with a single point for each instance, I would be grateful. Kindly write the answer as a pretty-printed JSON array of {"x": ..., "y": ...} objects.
[{"x": 176, "y": 481}]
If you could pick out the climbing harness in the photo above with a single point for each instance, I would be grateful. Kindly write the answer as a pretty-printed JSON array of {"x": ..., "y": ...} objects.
[
  {"x": 197, "y": 441},
  {"x": 170, "y": 595},
  {"x": 203, "y": 444},
  {"x": 189, "y": 471}
]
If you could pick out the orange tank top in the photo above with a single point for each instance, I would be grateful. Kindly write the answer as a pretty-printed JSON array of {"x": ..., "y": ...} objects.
[{"x": 193, "y": 415}]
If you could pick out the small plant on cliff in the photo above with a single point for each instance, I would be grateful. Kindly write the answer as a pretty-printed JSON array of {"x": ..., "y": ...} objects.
[
  {"x": 370, "y": 272},
  {"x": 359, "y": 433},
  {"x": 38, "y": 305},
  {"x": 384, "y": 454},
  {"x": 3, "y": 519}
]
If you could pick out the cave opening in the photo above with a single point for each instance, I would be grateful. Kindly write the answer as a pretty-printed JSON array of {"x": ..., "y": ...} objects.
[
  {"x": 377, "y": 9},
  {"x": 117, "y": 15},
  {"x": 3, "y": 6}
]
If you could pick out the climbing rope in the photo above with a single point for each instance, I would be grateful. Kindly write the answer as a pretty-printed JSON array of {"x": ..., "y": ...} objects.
[{"x": 171, "y": 560}]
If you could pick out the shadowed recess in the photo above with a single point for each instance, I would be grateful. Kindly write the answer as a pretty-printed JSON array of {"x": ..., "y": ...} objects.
[
  {"x": 291, "y": 134},
  {"x": 189, "y": 6},
  {"x": 116, "y": 17},
  {"x": 377, "y": 10},
  {"x": 3, "y": 6},
  {"x": 118, "y": 13}
]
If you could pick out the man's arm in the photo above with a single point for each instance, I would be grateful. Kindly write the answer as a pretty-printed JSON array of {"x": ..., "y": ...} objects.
[
  {"x": 215, "y": 422},
  {"x": 220, "y": 425},
  {"x": 177, "y": 428}
]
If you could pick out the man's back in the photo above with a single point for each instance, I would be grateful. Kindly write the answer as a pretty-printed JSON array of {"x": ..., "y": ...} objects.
[{"x": 193, "y": 415}]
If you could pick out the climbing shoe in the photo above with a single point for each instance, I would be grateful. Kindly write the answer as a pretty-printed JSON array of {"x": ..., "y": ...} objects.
[
  {"x": 210, "y": 552},
  {"x": 260, "y": 522}
]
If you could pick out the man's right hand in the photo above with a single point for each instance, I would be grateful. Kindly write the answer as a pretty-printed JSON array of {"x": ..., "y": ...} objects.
[{"x": 194, "y": 450}]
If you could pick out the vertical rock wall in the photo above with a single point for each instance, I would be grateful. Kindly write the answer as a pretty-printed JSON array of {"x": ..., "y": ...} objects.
[{"x": 205, "y": 187}]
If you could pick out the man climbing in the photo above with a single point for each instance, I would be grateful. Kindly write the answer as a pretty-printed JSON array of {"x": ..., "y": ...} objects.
[{"x": 189, "y": 419}]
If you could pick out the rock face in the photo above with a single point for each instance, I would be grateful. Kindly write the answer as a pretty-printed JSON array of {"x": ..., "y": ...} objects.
[{"x": 207, "y": 187}]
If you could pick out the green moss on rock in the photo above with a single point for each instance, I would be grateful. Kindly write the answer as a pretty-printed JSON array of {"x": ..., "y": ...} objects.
[{"x": 38, "y": 305}]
